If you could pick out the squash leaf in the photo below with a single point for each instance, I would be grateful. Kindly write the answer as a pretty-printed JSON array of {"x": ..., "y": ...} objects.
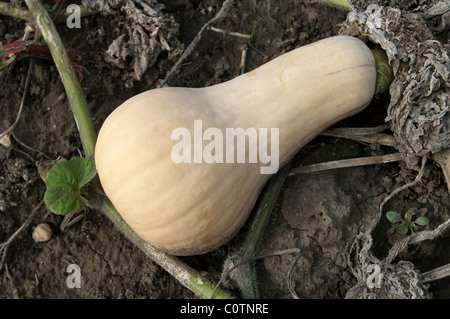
[{"x": 64, "y": 182}]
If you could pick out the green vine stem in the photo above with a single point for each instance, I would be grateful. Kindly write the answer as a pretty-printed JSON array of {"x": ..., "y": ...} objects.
[
  {"x": 245, "y": 273},
  {"x": 344, "y": 4},
  {"x": 23, "y": 14},
  {"x": 187, "y": 276},
  {"x": 75, "y": 95},
  {"x": 18, "y": 13}
]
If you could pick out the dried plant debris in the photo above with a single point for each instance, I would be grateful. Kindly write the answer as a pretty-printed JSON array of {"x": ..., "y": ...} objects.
[
  {"x": 104, "y": 6},
  {"x": 398, "y": 281},
  {"x": 418, "y": 111},
  {"x": 406, "y": 5},
  {"x": 147, "y": 32}
]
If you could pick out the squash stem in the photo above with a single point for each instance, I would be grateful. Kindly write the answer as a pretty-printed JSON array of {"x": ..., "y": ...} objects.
[
  {"x": 245, "y": 274},
  {"x": 74, "y": 92},
  {"x": 385, "y": 74},
  {"x": 187, "y": 276}
]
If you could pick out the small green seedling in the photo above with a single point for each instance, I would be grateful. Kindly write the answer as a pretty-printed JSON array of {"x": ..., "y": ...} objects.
[
  {"x": 252, "y": 33},
  {"x": 405, "y": 224}
]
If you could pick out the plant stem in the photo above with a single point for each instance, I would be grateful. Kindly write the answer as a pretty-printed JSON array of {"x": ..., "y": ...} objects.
[
  {"x": 75, "y": 95},
  {"x": 21, "y": 48},
  {"x": 435, "y": 274},
  {"x": 340, "y": 3},
  {"x": 23, "y": 14},
  {"x": 385, "y": 74},
  {"x": 187, "y": 276},
  {"x": 18, "y": 13},
  {"x": 245, "y": 274}
]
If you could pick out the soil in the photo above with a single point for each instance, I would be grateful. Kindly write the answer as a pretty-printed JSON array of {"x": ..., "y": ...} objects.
[{"x": 320, "y": 213}]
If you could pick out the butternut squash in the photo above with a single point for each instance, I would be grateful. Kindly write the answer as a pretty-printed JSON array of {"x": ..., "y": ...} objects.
[{"x": 192, "y": 207}]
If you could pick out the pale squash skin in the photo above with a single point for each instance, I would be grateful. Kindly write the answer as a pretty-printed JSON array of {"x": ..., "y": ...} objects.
[{"x": 188, "y": 209}]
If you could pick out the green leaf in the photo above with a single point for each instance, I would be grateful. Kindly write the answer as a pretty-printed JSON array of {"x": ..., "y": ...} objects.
[
  {"x": 402, "y": 229},
  {"x": 422, "y": 221},
  {"x": 391, "y": 215},
  {"x": 408, "y": 215},
  {"x": 64, "y": 182}
]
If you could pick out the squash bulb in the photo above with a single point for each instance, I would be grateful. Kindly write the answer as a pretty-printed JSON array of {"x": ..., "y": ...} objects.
[{"x": 188, "y": 207}]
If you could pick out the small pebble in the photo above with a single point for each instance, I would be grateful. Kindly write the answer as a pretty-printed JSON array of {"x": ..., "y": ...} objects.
[{"x": 42, "y": 233}]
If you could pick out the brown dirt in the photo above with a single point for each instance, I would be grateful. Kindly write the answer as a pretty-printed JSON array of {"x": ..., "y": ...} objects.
[{"x": 320, "y": 213}]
